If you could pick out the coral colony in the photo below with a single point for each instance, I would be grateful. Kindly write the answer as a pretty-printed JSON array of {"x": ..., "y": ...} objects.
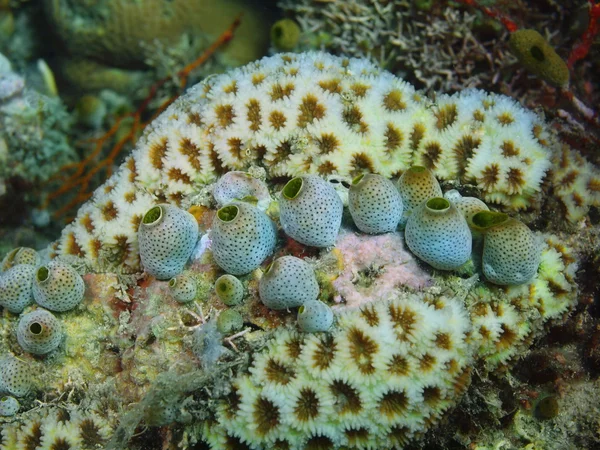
[{"x": 276, "y": 265}]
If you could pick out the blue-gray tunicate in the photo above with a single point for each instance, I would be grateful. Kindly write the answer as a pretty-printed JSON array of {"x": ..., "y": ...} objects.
[
  {"x": 242, "y": 237},
  {"x": 310, "y": 211},
  {"x": 288, "y": 283},
  {"x": 437, "y": 233},
  {"x": 315, "y": 316},
  {"x": 374, "y": 204},
  {"x": 167, "y": 236}
]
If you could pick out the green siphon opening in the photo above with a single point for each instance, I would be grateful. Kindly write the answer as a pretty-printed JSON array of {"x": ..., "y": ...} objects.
[
  {"x": 172, "y": 282},
  {"x": 301, "y": 309},
  {"x": 42, "y": 274},
  {"x": 487, "y": 219},
  {"x": 228, "y": 213},
  {"x": 4, "y": 399},
  {"x": 537, "y": 53},
  {"x": 277, "y": 31},
  {"x": 152, "y": 215},
  {"x": 417, "y": 169},
  {"x": 438, "y": 203},
  {"x": 223, "y": 286},
  {"x": 357, "y": 179},
  {"x": 292, "y": 188},
  {"x": 35, "y": 328}
]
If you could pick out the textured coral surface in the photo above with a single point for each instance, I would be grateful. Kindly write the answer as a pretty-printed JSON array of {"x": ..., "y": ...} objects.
[{"x": 297, "y": 113}]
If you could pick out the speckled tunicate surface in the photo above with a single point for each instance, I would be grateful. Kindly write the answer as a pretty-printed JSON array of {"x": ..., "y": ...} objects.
[
  {"x": 39, "y": 332},
  {"x": 375, "y": 204},
  {"x": 16, "y": 287},
  {"x": 314, "y": 214},
  {"x": 511, "y": 253},
  {"x": 15, "y": 376},
  {"x": 440, "y": 237},
  {"x": 229, "y": 289},
  {"x": 166, "y": 243},
  {"x": 58, "y": 287},
  {"x": 243, "y": 241},
  {"x": 288, "y": 283}
]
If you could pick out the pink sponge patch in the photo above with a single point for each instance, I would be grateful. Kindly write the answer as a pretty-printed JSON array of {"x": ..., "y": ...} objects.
[{"x": 375, "y": 267}]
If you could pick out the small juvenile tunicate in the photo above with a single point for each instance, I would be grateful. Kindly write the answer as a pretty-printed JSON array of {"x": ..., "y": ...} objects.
[
  {"x": 183, "y": 288},
  {"x": 9, "y": 406},
  {"x": 229, "y": 289},
  {"x": 315, "y": 316},
  {"x": 229, "y": 321}
]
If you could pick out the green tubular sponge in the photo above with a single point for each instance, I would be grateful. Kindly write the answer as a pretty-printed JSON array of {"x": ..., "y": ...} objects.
[
  {"x": 537, "y": 55},
  {"x": 285, "y": 34},
  {"x": 39, "y": 332}
]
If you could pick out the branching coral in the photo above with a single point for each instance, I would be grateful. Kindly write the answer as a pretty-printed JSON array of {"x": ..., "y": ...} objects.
[{"x": 440, "y": 50}]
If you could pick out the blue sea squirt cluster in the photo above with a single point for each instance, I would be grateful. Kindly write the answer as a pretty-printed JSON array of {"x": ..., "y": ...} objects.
[{"x": 300, "y": 319}]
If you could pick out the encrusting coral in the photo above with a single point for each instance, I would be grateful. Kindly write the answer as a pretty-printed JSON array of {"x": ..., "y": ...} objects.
[{"x": 356, "y": 386}]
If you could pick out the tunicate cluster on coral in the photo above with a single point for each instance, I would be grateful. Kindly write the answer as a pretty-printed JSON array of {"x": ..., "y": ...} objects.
[
  {"x": 322, "y": 125},
  {"x": 382, "y": 345}
]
